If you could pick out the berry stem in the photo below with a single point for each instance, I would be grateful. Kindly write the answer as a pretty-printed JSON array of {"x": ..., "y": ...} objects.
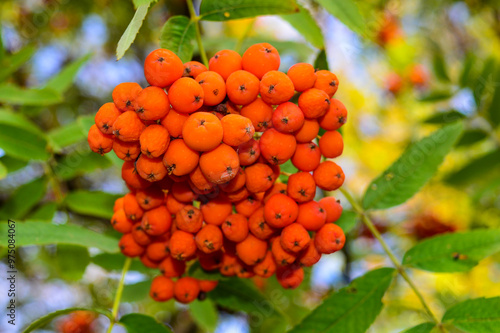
[
  {"x": 244, "y": 36},
  {"x": 284, "y": 173},
  {"x": 118, "y": 296},
  {"x": 195, "y": 19},
  {"x": 369, "y": 224}
]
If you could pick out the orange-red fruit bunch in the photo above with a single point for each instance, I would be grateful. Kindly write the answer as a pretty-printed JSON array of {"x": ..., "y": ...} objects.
[{"x": 202, "y": 150}]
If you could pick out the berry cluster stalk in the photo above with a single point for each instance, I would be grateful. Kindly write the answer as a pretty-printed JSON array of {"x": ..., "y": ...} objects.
[
  {"x": 118, "y": 296},
  {"x": 195, "y": 19}
]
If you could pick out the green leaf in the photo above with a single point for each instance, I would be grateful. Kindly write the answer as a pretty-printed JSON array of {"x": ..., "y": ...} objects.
[
  {"x": 45, "y": 212},
  {"x": 287, "y": 167},
  {"x": 493, "y": 111},
  {"x": 70, "y": 262},
  {"x": 13, "y": 62},
  {"x": 306, "y": 25},
  {"x": 240, "y": 295},
  {"x": 98, "y": 204},
  {"x": 115, "y": 262},
  {"x": 439, "y": 65},
  {"x": 484, "y": 80},
  {"x": 12, "y": 94},
  {"x": 19, "y": 120},
  {"x": 436, "y": 96},
  {"x": 80, "y": 162},
  {"x": 444, "y": 117},
  {"x": 204, "y": 314},
  {"x": 467, "y": 69},
  {"x": 23, "y": 144},
  {"x": 128, "y": 36},
  {"x": 196, "y": 271},
  {"x": 41, "y": 233},
  {"x": 23, "y": 199},
  {"x": 3, "y": 171},
  {"x": 321, "y": 61},
  {"x": 66, "y": 135},
  {"x": 353, "y": 308},
  {"x": 471, "y": 136},
  {"x": 138, "y": 3},
  {"x": 178, "y": 35},
  {"x": 412, "y": 170},
  {"x": 455, "y": 252},
  {"x": 136, "y": 292},
  {"x": 347, "y": 220},
  {"x": 223, "y": 10},
  {"x": 139, "y": 323},
  {"x": 347, "y": 12},
  {"x": 12, "y": 164},
  {"x": 42, "y": 321},
  {"x": 64, "y": 79},
  {"x": 480, "y": 315},
  {"x": 86, "y": 123},
  {"x": 422, "y": 328},
  {"x": 475, "y": 169}
]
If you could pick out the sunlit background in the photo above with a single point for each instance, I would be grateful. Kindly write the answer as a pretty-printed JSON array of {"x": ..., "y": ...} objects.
[{"x": 421, "y": 58}]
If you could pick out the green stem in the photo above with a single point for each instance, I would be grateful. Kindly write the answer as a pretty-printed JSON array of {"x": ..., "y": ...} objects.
[
  {"x": 369, "y": 224},
  {"x": 195, "y": 19},
  {"x": 118, "y": 296},
  {"x": 56, "y": 186},
  {"x": 241, "y": 40}
]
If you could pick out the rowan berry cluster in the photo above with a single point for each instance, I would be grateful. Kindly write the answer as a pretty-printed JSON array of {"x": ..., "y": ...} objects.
[{"x": 202, "y": 150}]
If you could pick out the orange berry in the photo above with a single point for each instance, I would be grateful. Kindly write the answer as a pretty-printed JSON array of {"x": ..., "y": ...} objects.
[
  {"x": 294, "y": 238},
  {"x": 235, "y": 227},
  {"x": 140, "y": 236},
  {"x": 335, "y": 117},
  {"x": 182, "y": 245},
  {"x": 290, "y": 277},
  {"x": 301, "y": 187},
  {"x": 235, "y": 184},
  {"x": 308, "y": 132},
  {"x": 302, "y": 76},
  {"x": 259, "y": 177},
  {"x": 311, "y": 216},
  {"x": 243, "y": 271},
  {"x": 150, "y": 198},
  {"x": 127, "y": 151},
  {"x": 162, "y": 67},
  {"x": 183, "y": 192},
  {"x": 307, "y": 157},
  {"x": 314, "y": 103},
  {"x": 210, "y": 262},
  {"x": 105, "y": 117},
  {"x": 157, "y": 221},
  {"x": 228, "y": 264},
  {"x": 186, "y": 95},
  {"x": 186, "y": 289},
  {"x": 309, "y": 256},
  {"x": 199, "y": 183},
  {"x": 288, "y": 118},
  {"x": 208, "y": 285},
  {"x": 154, "y": 141},
  {"x": 98, "y": 141},
  {"x": 238, "y": 195},
  {"x": 260, "y": 58},
  {"x": 179, "y": 159},
  {"x": 280, "y": 211},
  {"x": 281, "y": 256},
  {"x": 329, "y": 239},
  {"x": 157, "y": 251},
  {"x": 220, "y": 165},
  {"x": 216, "y": 210},
  {"x": 237, "y": 129},
  {"x": 151, "y": 169},
  {"x": 242, "y": 87},
  {"x": 124, "y": 95},
  {"x": 225, "y": 63},
  {"x": 326, "y": 81},
  {"x": 202, "y": 131},
  {"x": 331, "y": 144},
  {"x": 173, "y": 205},
  {"x": 260, "y": 113},
  {"x": 193, "y": 69},
  {"x": 121, "y": 223},
  {"x": 258, "y": 226},
  {"x": 276, "y": 147},
  {"x": 118, "y": 204},
  {"x": 128, "y": 127},
  {"x": 332, "y": 208},
  {"x": 214, "y": 87},
  {"x": 170, "y": 267},
  {"x": 328, "y": 176},
  {"x": 152, "y": 103},
  {"x": 189, "y": 219},
  {"x": 174, "y": 122},
  {"x": 131, "y": 207},
  {"x": 266, "y": 267},
  {"x": 129, "y": 247},
  {"x": 251, "y": 250},
  {"x": 276, "y": 88},
  {"x": 249, "y": 152},
  {"x": 247, "y": 206},
  {"x": 276, "y": 188},
  {"x": 209, "y": 238},
  {"x": 162, "y": 289},
  {"x": 132, "y": 178}
]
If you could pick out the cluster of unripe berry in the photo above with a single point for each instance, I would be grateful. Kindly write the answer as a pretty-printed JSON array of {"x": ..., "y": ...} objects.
[{"x": 202, "y": 151}]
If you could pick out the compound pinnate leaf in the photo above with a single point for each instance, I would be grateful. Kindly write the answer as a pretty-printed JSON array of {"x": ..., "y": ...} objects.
[
  {"x": 139, "y": 323},
  {"x": 347, "y": 220},
  {"x": 63, "y": 80},
  {"x": 475, "y": 169},
  {"x": 412, "y": 170},
  {"x": 12, "y": 94},
  {"x": 352, "y": 309},
  {"x": 422, "y": 328},
  {"x": 472, "y": 136},
  {"x": 321, "y": 62},
  {"x": 306, "y": 25},
  {"x": 347, "y": 12},
  {"x": 43, "y": 233},
  {"x": 98, "y": 204},
  {"x": 205, "y": 314},
  {"x": 455, "y": 252},
  {"x": 223, "y": 10},
  {"x": 480, "y": 315},
  {"x": 177, "y": 35},
  {"x": 128, "y": 36},
  {"x": 42, "y": 321},
  {"x": 13, "y": 62},
  {"x": 23, "y": 199}
]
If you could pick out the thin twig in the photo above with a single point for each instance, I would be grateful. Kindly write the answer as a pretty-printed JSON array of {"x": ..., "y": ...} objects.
[
  {"x": 118, "y": 296},
  {"x": 195, "y": 19}
]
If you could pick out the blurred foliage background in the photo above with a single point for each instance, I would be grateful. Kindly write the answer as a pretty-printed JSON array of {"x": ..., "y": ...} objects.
[{"x": 416, "y": 66}]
